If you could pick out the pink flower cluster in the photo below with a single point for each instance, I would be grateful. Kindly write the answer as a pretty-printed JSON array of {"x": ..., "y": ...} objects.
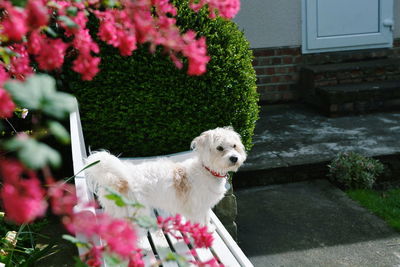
[
  {"x": 23, "y": 198},
  {"x": 133, "y": 23},
  {"x": 193, "y": 234},
  {"x": 48, "y": 52},
  {"x": 225, "y": 8},
  {"x": 7, "y": 106},
  {"x": 62, "y": 197},
  {"x": 136, "y": 23},
  {"x": 118, "y": 234},
  {"x": 199, "y": 234}
]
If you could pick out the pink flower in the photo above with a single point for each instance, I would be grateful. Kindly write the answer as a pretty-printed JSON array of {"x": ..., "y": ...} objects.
[
  {"x": 4, "y": 76},
  {"x": 210, "y": 263},
  {"x": 196, "y": 52},
  {"x": 87, "y": 66},
  {"x": 164, "y": 7},
  {"x": 14, "y": 24},
  {"x": 52, "y": 53},
  {"x": 84, "y": 43},
  {"x": 78, "y": 223},
  {"x": 80, "y": 20},
  {"x": 7, "y": 106},
  {"x": 127, "y": 44},
  {"x": 117, "y": 29},
  {"x": 37, "y": 14},
  {"x": 136, "y": 259},
  {"x": 120, "y": 237},
  {"x": 35, "y": 42},
  {"x": 20, "y": 67},
  {"x": 226, "y": 8},
  {"x": 23, "y": 199},
  {"x": 93, "y": 257},
  {"x": 118, "y": 234},
  {"x": 108, "y": 31},
  {"x": 62, "y": 197},
  {"x": 199, "y": 234}
]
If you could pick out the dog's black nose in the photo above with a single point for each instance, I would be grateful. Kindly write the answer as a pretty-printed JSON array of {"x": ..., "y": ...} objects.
[{"x": 233, "y": 159}]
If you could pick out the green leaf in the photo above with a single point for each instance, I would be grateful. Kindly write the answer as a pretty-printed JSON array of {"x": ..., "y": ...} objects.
[
  {"x": 79, "y": 262},
  {"x": 86, "y": 167},
  {"x": 75, "y": 241},
  {"x": 59, "y": 132},
  {"x": 68, "y": 22},
  {"x": 50, "y": 31},
  {"x": 146, "y": 222},
  {"x": 6, "y": 54},
  {"x": 24, "y": 96},
  {"x": 72, "y": 11},
  {"x": 71, "y": 239},
  {"x": 118, "y": 200},
  {"x": 59, "y": 105},
  {"x": 20, "y": 3},
  {"x": 182, "y": 261},
  {"x": 38, "y": 92},
  {"x": 40, "y": 253},
  {"x": 32, "y": 153},
  {"x": 113, "y": 260}
]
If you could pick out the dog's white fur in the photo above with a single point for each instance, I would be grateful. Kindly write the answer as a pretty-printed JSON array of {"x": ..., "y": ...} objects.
[{"x": 185, "y": 188}]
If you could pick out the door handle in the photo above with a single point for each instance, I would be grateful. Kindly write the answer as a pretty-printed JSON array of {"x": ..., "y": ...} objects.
[{"x": 389, "y": 23}]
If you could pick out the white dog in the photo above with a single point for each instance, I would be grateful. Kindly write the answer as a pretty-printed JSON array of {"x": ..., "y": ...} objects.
[{"x": 190, "y": 188}]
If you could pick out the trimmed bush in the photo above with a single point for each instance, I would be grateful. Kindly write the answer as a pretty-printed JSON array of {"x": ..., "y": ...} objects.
[
  {"x": 143, "y": 105},
  {"x": 354, "y": 171}
]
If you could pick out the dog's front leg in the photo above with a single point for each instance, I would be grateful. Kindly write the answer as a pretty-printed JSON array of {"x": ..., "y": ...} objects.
[{"x": 207, "y": 222}]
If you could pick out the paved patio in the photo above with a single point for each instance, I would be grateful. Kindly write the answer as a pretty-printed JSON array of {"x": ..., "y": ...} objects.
[{"x": 312, "y": 223}]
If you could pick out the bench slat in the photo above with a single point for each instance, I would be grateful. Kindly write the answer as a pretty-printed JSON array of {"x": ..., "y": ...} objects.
[
  {"x": 222, "y": 252},
  {"x": 162, "y": 247},
  {"x": 179, "y": 246},
  {"x": 230, "y": 243}
]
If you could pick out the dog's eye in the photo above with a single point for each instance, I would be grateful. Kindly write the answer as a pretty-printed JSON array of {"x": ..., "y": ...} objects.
[
  {"x": 220, "y": 148},
  {"x": 234, "y": 146}
]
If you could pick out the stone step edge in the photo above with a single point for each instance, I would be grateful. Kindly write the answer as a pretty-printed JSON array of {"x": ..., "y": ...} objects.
[
  {"x": 301, "y": 172},
  {"x": 348, "y": 66},
  {"x": 360, "y": 87}
]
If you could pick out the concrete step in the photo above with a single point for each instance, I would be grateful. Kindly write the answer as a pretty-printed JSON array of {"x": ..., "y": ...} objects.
[
  {"x": 312, "y": 76},
  {"x": 294, "y": 143},
  {"x": 345, "y": 99},
  {"x": 356, "y": 65},
  {"x": 352, "y": 87}
]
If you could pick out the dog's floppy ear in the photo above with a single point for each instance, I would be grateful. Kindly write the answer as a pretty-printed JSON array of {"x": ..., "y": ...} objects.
[
  {"x": 196, "y": 142},
  {"x": 200, "y": 140}
]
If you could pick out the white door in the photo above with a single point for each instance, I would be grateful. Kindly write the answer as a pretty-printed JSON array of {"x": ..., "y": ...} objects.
[{"x": 336, "y": 25}]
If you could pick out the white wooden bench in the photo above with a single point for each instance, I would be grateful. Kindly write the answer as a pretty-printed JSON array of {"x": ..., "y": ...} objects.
[{"x": 224, "y": 248}]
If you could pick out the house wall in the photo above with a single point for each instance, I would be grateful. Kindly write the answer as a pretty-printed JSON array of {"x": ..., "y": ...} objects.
[
  {"x": 272, "y": 23},
  {"x": 274, "y": 30}
]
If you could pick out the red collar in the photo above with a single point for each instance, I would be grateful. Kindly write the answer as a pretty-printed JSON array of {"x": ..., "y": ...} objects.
[{"x": 214, "y": 173}]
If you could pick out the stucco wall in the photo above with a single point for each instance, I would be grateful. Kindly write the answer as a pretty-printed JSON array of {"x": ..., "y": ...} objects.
[
  {"x": 396, "y": 19},
  {"x": 275, "y": 23}
]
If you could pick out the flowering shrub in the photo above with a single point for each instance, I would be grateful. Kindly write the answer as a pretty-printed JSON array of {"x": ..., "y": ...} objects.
[{"x": 37, "y": 36}]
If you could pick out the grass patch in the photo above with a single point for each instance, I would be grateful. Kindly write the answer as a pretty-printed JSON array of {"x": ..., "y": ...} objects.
[{"x": 385, "y": 204}]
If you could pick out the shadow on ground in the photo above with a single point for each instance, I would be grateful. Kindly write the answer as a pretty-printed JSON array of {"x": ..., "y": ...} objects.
[{"x": 311, "y": 224}]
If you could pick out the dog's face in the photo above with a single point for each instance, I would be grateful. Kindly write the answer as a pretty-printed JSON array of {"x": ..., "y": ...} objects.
[{"x": 220, "y": 149}]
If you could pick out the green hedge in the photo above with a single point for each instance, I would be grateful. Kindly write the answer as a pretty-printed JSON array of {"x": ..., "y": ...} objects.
[{"x": 143, "y": 105}]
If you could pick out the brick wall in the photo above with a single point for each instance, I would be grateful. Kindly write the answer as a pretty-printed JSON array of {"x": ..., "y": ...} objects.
[{"x": 278, "y": 68}]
